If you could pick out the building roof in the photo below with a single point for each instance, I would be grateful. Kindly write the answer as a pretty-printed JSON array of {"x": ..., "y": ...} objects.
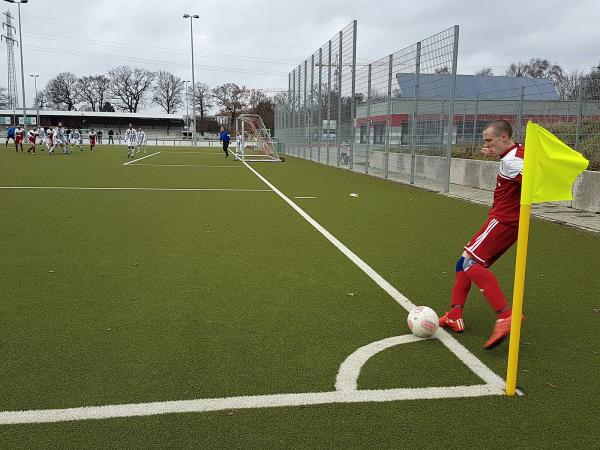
[
  {"x": 438, "y": 86},
  {"x": 117, "y": 114}
]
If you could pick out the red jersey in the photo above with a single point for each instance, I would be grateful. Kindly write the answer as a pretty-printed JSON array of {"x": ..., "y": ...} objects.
[
  {"x": 19, "y": 135},
  {"x": 507, "y": 195}
]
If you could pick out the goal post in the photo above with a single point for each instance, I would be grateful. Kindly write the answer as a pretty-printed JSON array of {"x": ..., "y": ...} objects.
[{"x": 257, "y": 145}]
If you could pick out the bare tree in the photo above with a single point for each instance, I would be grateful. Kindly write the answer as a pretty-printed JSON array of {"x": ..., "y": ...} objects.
[
  {"x": 4, "y": 98},
  {"x": 203, "y": 101},
  {"x": 485, "y": 72},
  {"x": 255, "y": 97},
  {"x": 568, "y": 87},
  {"x": 168, "y": 91},
  {"x": 538, "y": 68},
  {"x": 62, "y": 91},
  {"x": 230, "y": 98},
  {"x": 129, "y": 87},
  {"x": 92, "y": 90},
  {"x": 518, "y": 69},
  {"x": 40, "y": 99}
]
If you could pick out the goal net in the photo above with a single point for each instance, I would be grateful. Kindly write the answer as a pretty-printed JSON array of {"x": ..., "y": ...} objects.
[{"x": 256, "y": 141}]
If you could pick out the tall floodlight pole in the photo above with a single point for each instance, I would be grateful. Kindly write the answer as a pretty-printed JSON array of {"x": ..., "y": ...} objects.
[
  {"x": 192, "y": 17},
  {"x": 21, "y": 50},
  {"x": 37, "y": 102}
]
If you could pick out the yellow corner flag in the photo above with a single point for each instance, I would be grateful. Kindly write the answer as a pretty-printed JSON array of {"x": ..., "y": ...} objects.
[{"x": 550, "y": 168}]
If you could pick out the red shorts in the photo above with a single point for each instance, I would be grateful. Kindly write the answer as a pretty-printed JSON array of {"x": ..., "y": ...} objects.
[
  {"x": 491, "y": 241},
  {"x": 18, "y": 139},
  {"x": 92, "y": 141},
  {"x": 31, "y": 140}
]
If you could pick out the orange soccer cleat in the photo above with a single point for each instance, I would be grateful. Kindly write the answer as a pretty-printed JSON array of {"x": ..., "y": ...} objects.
[
  {"x": 457, "y": 325},
  {"x": 501, "y": 331}
]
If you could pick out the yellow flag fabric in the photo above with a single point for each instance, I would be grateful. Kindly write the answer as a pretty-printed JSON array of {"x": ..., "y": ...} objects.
[{"x": 549, "y": 167}]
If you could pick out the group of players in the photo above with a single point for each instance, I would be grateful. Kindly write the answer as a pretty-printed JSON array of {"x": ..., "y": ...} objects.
[{"x": 58, "y": 137}]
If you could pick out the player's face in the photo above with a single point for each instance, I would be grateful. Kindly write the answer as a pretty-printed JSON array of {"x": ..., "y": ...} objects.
[{"x": 494, "y": 142}]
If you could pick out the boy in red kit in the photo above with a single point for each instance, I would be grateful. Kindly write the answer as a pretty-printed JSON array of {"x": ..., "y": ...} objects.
[
  {"x": 92, "y": 138},
  {"x": 31, "y": 138},
  {"x": 496, "y": 236},
  {"x": 19, "y": 137}
]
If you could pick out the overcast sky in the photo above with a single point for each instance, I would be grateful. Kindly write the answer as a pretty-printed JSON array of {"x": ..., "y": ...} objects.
[{"x": 258, "y": 42}]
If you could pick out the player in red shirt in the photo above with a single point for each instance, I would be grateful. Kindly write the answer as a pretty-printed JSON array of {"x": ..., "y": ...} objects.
[
  {"x": 31, "y": 138},
  {"x": 19, "y": 136},
  {"x": 496, "y": 236},
  {"x": 92, "y": 138}
]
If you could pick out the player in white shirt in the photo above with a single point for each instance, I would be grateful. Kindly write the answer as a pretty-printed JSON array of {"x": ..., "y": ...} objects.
[
  {"x": 76, "y": 139},
  {"x": 238, "y": 146},
  {"x": 59, "y": 140},
  {"x": 41, "y": 135},
  {"x": 131, "y": 139},
  {"x": 141, "y": 139}
]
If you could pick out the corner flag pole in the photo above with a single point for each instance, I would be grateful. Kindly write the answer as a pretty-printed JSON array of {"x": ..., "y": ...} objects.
[
  {"x": 557, "y": 166},
  {"x": 517, "y": 306}
]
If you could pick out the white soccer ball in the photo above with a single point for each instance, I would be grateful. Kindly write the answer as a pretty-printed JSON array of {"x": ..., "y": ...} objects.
[{"x": 423, "y": 321}]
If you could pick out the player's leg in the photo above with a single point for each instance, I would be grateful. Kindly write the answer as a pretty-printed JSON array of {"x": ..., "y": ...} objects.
[
  {"x": 492, "y": 241},
  {"x": 462, "y": 285}
]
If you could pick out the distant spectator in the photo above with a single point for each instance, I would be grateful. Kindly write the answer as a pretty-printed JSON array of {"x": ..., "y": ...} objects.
[
  {"x": 111, "y": 135},
  {"x": 99, "y": 136}
]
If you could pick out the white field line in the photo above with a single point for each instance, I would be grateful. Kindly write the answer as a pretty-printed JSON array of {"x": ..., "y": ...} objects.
[
  {"x": 197, "y": 153},
  {"x": 470, "y": 360},
  {"x": 346, "y": 380},
  {"x": 304, "y": 197},
  {"x": 70, "y": 188},
  {"x": 139, "y": 159},
  {"x": 347, "y": 377},
  {"x": 243, "y": 402},
  {"x": 346, "y": 392},
  {"x": 187, "y": 165}
]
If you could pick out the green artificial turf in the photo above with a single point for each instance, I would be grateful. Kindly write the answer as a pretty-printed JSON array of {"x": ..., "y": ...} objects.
[{"x": 139, "y": 296}]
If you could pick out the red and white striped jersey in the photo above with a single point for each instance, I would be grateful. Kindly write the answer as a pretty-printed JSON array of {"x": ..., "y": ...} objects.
[{"x": 507, "y": 195}]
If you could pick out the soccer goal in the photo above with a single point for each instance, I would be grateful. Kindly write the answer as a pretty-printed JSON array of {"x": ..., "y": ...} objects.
[{"x": 256, "y": 141}]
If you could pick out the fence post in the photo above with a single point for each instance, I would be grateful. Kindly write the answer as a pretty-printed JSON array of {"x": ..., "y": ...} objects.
[
  {"x": 320, "y": 118},
  {"x": 451, "y": 109},
  {"x": 338, "y": 123},
  {"x": 520, "y": 114},
  {"x": 328, "y": 100},
  {"x": 388, "y": 120},
  {"x": 386, "y": 162},
  {"x": 413, "y": 128},
  {"x": 579, "y": 114},
  {"x": 353, "y": 93},
  {"x": 368, "y": 123},
  {"x": 312, "y": 109},
  {"x": 306, "y": 127},
  {"x": 475, "y": 118}
]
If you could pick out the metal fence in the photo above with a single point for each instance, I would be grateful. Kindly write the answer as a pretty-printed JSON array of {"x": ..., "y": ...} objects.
[
  {"x": 368, "y": 117},
  {"x": 406, "y": 115}
]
